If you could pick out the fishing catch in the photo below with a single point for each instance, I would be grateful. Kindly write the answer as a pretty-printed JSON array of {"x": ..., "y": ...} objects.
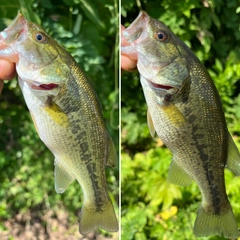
[
  {"x": 185, "y": 110},
  {"x": 67, "y": 115}
]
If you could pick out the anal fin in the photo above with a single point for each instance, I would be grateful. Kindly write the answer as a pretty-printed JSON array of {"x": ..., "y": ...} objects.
[
  {"x": 177, "y": 175},
  {"x": 62, "y": 177},
  {"x": 233, "y": 160}
]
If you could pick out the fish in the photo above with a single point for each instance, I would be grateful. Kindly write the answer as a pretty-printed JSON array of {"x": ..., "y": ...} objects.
[
  {"x": 185, "y": 111},
  {"x": 67, "y": 116}
]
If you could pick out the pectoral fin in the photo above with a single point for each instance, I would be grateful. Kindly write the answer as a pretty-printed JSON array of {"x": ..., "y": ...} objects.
[
  {"x": 177, "y": 175},
  {"x": 173, "y": 115},
  {"x": 150, "y": 124},
  {"x": 62, "y": 177},
  {"x": 233, "y": 160},
  {"x": 56, "y": 113}
]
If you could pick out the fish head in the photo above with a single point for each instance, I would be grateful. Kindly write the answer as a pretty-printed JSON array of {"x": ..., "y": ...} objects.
[
  {"x": 162, "y": 58},
  {"x": 37, "y": 56}
]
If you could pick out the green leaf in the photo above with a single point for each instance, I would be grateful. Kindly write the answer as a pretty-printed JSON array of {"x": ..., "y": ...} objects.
[
  {"x": 26, "y": 10},
  {"x": 92, "y": 12}
]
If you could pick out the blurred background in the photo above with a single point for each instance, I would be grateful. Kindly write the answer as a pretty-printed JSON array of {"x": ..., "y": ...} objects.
[
  {"x": 29, "y": 206},
  {"x": 152, "y": 208}
]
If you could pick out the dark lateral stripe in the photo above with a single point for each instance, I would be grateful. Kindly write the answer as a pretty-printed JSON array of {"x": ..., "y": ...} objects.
[
  {"x": 213, "y": 188},
  {"x": 99, "y": 197},
  {"x": 71, "y": 105},
  {"x": 86, "y": 159},
  {"x": 211, "y": 181}
]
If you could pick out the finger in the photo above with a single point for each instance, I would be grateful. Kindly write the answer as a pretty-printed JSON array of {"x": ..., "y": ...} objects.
[
  {"x": 128, "y": 64},
  {"x": 7, "y": 70}
]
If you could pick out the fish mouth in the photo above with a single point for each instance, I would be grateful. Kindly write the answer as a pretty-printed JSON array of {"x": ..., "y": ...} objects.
[
  {"x": 13, "y": 31},
  {"x": 164, "y": 93},
  {"x": 159, "y": 86},
  {"x": 43, "y": 87},
  {"x": 135, "y": 32}
]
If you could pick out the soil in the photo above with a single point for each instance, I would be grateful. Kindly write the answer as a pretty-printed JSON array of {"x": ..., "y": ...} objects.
[{"x": 51, "y": 226}]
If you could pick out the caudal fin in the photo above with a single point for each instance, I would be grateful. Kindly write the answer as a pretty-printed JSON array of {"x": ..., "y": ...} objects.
[
  {"x": 210, "y": 224},
  {"x": 92, "y": 219}
]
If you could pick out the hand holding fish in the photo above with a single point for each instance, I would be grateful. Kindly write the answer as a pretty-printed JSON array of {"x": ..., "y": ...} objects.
[
  {"x": 7, "y": 71},
  {"x": 127, "y": 63}
]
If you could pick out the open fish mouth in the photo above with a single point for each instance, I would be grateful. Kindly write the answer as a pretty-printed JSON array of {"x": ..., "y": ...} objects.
[
  {"x": 135, "y": 32},
  {"x": 43, "y": 87},
  {"x": 159, "y": 86}
]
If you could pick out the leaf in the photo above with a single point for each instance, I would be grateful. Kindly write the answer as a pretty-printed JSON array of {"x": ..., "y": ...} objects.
[
  {"x": 92, "y": 13},
  {"x": 127, "y": 170},
  {"x": 218, "y": 65},
  {"x": 77, "y": 25},
  {"x": 133, "y": 222},
  {"x": 26, "y": 10}
]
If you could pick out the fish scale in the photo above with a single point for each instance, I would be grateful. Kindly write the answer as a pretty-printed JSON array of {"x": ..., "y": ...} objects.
[
  {"x": 203, "y": 150},
  {"x": 185, "y": 110},
  {"x": 67, "y": 115},
  {"x": 82, "y": 137}
]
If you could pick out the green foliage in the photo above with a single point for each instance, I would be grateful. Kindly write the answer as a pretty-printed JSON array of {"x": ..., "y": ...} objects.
[
  {"x": 151, "y": 207},
  {"x": 86, "y": 30}
]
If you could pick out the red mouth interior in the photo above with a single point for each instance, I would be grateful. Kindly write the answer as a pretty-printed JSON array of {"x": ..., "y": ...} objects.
[
  {"x": 155, "y": 85},
  {"x": 45, "y": 86}
]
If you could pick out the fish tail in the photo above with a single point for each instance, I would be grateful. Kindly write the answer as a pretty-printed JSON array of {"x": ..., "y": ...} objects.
[
  {"x": 92, "y": 219},
  {"x": 207, "y": 224}
]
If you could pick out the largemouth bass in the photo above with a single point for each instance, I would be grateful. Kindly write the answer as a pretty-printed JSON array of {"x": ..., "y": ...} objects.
[
  {"x": 67, "y": 115},
  {"x": 185, "y": 110}
]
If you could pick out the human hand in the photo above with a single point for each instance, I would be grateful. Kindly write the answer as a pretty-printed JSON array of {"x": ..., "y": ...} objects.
[
  {"x": 127, "y": 63},
  {"x": 7, "y": 71}
]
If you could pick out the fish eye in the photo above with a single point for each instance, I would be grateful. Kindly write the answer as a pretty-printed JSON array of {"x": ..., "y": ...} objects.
[
  {"x": 40, "y": 37},
  {"x": 162, "y": 36}
]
